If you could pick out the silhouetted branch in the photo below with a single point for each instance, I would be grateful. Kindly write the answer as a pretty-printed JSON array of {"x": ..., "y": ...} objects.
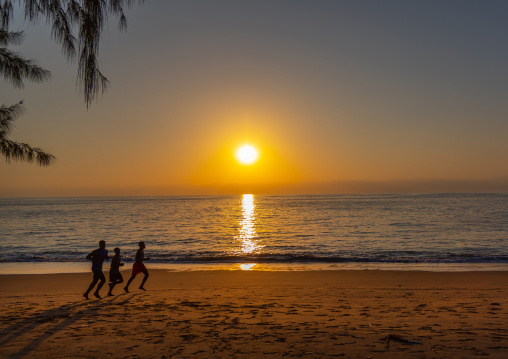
[
  {"x": 11, "y": 38},
  {"x": 7, "y": 116},
  {"x": 14, "y": 150},
  {"x": 23, "y": 152},
  {"x": 61, "y": 31},
  {"x": 6, "y": 10},
  {"x": 89, "y": 18},
  {"x": 15, "y": 68}
]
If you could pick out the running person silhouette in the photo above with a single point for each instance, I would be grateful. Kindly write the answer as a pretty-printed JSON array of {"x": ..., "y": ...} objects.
[
  {"x": 115, "y": 277},
  {"x": 139, "y": 267},
  {"x": 97, "y": 257}
]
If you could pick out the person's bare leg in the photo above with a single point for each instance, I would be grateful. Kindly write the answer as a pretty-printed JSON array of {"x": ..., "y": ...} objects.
[
  {"x": 144, "y": 280},
  {"x": 126, "y": 288},
  {"x": 112, "y": 285},
  {"x": 99, "y": 288},
  {"x": 94, "y": 282}
]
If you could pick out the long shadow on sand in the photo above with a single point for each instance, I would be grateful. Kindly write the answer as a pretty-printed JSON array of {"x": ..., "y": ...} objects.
[{"x": 70, "y": 313}]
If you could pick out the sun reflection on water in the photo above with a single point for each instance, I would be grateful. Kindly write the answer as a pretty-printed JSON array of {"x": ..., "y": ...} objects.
[
  {"x": 247, "y": 224},
  {"x": 248, "y": 236},
  {"x": 247, "y": 266}
]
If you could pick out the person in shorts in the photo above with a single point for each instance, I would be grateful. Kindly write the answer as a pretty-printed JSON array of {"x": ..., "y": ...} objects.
[
  {"x": 97, "y": 257},
  {"x": 115, "y": 277},
  {"x": 139, "y": 267}
]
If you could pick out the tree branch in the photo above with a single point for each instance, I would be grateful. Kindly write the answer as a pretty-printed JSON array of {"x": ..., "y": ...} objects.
[{"x": 23, "y": 152}]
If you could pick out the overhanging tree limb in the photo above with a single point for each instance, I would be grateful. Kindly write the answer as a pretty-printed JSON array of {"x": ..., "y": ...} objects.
[
  {"x": 88, "y": 18},
  {"x": 12, "y": 150},
  {"x": 14, "y": 68},
  {"x": 24, "y": 152}
]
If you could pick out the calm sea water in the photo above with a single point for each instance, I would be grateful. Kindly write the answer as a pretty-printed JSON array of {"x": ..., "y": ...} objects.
[{"x": 358, "y": 231}]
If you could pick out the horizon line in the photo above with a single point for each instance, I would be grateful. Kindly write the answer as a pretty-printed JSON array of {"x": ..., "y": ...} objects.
[{"x": 341, "y": 187}]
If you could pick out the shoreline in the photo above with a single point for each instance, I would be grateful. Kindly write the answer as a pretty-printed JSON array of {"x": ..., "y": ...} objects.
[
  {"x": 162, "y": 279},
  {"x": 9, "y": 268},
  {"x": 253, "y": 314}
]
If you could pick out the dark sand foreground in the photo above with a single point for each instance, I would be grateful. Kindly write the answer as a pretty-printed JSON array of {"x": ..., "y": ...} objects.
[{"x": 235, "y": 314}]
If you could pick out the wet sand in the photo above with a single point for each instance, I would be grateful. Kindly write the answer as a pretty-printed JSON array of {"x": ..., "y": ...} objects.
[{"x": 244, "y": 314}]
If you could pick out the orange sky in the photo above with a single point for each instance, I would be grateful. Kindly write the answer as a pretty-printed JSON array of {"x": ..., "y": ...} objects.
[{"x": 337, "y": 97}]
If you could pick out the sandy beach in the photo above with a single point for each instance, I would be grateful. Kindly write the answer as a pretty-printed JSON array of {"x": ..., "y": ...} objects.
[{"x": 245, "y": 314}]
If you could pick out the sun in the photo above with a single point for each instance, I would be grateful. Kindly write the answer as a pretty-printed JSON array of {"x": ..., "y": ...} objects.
[{"x": 247, "y": 154}]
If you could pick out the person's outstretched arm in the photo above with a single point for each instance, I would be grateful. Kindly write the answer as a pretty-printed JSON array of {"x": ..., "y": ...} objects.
[{"x": 90, "y": 256}]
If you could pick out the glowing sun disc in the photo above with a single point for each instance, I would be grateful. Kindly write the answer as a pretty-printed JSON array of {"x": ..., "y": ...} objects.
[{"x": 247, "y": 154}]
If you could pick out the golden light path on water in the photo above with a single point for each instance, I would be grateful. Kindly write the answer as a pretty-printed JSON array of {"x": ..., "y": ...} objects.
[{"x": 247, "y": 237}]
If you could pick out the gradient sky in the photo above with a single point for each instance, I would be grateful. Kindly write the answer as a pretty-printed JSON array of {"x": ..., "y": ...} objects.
[{"x": 338, "y": 96}]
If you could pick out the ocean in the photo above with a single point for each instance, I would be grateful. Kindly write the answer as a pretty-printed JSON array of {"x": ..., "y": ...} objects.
[{"x": 248, "y": 232}]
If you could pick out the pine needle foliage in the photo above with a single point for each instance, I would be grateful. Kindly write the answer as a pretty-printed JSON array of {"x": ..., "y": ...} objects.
[
  {"x": 11, "y": 38},
  {"x": 75, "y": 24},
  {"x": 16, "y": 151},
  {"x": 14, "y": 68}
]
